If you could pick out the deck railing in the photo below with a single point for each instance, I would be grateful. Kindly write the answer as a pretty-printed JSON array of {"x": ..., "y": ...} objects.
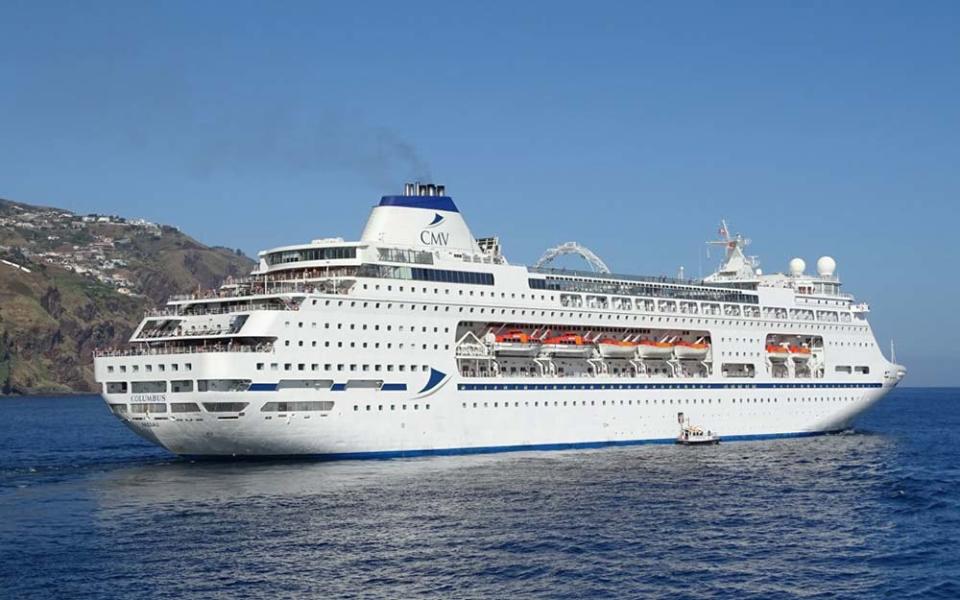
[{"x": 178, "y": 349}]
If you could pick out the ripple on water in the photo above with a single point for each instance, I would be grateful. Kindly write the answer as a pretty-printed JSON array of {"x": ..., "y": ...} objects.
[{"x": 871, "y": 513}]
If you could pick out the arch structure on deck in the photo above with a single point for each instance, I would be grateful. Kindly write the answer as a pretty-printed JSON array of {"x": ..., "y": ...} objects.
[{"x": 596, "y": 264}]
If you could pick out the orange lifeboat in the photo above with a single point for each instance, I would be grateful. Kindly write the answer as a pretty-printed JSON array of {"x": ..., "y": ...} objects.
[
  {"x": 799, "y": 352},
  {"x": 516, "y": 343},
  {"x": 777, "y": 352},
  {"x": 567, "y": 344},
  {"x": 654, "y": 349},
  {"x": 614, "y": 348},
  {"x": 691, "y": 350},
  {"x": 516, "y": 336}
]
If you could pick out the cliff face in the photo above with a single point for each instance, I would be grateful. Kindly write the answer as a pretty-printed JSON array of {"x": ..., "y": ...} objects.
[{"x": 69, "y": 284}]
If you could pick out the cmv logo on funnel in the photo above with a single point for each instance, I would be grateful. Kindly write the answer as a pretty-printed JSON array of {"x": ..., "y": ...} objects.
[{"x": 435, "y": 238}]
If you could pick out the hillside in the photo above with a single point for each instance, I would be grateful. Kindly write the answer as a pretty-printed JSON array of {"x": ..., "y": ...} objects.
[{"x": 70, "y": 283}]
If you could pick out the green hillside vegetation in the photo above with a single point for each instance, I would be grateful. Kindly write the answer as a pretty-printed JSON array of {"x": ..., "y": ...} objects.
[{"x": 52, "y": 317}]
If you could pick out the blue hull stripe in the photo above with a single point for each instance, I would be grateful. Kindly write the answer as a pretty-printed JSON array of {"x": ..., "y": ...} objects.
[
  {"x": 386, "y": 454},
  {"x": 262, "y": 387},
  {"x": 519, "y": 387}
]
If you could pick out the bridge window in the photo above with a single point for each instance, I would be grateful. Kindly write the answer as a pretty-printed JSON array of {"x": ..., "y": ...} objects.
[{"x": 291, "y": 256}]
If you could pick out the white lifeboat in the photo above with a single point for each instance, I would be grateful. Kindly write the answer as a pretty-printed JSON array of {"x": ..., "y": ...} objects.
[
  {"x": 652, "y": 349},
  {"x": 691, "y": 350},
  {"x": 568, "y": 344},
  {"x": 516, "y": 343},
  {"x": 613, "y": 348}
]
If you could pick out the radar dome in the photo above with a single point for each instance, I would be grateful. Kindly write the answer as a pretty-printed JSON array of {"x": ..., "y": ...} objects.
[
  {"x": 826, "y": 266},
  {"x": 797, "y": 265}
]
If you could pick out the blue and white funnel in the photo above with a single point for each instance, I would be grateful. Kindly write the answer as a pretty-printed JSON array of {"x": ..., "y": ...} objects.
[{"x": 423, "y": 217}]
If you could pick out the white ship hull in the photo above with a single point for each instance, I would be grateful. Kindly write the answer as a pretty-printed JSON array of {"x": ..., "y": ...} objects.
[
  {"x": 381, "y": 348},
  {"x": 503, "y": 419}
]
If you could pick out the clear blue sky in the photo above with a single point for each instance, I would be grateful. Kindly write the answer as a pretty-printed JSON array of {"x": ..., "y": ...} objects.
[{"x": 814, "y": 127}]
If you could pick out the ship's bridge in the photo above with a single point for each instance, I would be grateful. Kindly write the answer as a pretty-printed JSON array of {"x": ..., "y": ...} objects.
[{"x": 318, "y": 253}]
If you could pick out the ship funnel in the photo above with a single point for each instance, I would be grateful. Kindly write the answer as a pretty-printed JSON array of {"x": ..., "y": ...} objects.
[
  {"x": 424, "y": 217},
  {"x": 423, "y": 189}
]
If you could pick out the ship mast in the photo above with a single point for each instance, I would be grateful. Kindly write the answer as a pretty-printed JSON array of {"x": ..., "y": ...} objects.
[{"x": 736, "y": 264}]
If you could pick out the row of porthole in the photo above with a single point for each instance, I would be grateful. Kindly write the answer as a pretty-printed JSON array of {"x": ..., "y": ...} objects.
[
  {"x": 149, "y": 368},
  {"x": 382, "y": 407},
  {"x": 376, "y": 345},
  {"x": 376, "y": 327},
  {"x": 685, "y": 402},
  {"x": 340, "y": 367},
  {"x": 609, "y": 317}
]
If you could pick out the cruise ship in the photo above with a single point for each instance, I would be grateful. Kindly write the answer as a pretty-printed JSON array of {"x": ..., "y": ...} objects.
[{"x": 422, "y": 339}]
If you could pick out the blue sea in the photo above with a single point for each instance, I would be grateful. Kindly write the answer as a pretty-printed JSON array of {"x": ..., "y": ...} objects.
[{"x": 87, "y": 510}]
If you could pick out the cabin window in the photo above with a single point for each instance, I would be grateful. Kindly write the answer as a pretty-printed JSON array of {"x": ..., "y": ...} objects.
[
  {"x": 224, "y": 406},
  {"x": 223, "y": 385},
  {"x": 738, "y": 370},
  {"x": 301, "y": 406},
  {"x": 181, "y": 385},
  {"x": 148, "y": 387},
  {"x": 146, "y": 408},
  {"x": 116, "y": 387}
]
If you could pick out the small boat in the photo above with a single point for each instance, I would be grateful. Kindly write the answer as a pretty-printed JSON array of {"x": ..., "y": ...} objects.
[
  {"x": 652, "y": 349},
  {"x": 691, "y": 350},
  {"x": 694, "y": 436},
  {"x": 613, "y": 348},
  {"x": 777, "y": 352},
  {"x": 568, "y": 344},
  {"x": 799, "y": 353},
  {"x": 516, "y": 343}
]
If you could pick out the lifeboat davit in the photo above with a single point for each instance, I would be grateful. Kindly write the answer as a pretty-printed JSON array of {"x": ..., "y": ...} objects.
[
  {"x": 775, "y": 352},
  {"x": 652, "y": 349},
  {"x": 568, "y": 344},
  {"x": 613, "y": 348},
  {"x": 799, "y": 353},
  {"x": 691, "y": 350},
  {"x": 516, "y": 343}
]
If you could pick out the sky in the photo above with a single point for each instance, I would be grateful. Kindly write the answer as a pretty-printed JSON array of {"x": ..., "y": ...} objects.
[{"x": 631, "y": 127}]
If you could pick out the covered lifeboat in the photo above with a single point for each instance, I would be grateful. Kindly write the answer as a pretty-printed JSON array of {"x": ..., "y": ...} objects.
[
  {"x": 800, "y": 353},
  {"x": 516, "y": 343},
  {"x": 567, "y": 344},
  {"x": 654, "y": 349},
  {"x": 614, "y": 348},
  {"x": 691, "y": 350},
  {"x": 777, "y": 352}
]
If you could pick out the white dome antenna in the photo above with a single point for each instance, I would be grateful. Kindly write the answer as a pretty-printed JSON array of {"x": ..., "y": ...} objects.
[
  {"x": 797, "y": 265},
  {"x": 826, "y": 266}
]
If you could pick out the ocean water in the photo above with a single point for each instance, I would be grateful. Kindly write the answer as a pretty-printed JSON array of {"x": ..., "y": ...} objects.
[{"x": 88, "y": 510}]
